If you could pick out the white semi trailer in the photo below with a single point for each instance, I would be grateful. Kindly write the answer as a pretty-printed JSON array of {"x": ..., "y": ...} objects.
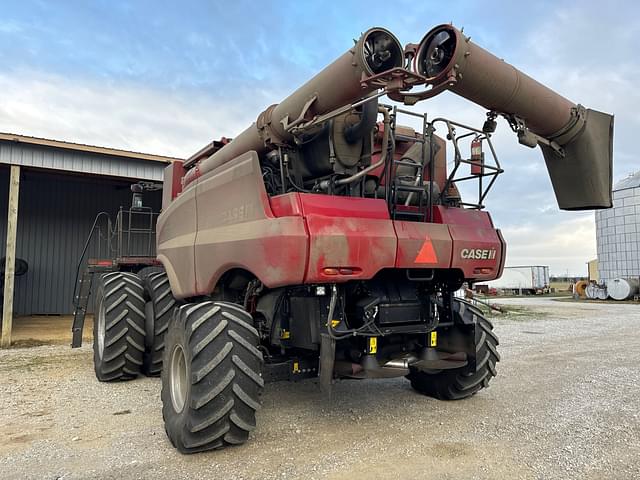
[{"x": 529, "y": 279}]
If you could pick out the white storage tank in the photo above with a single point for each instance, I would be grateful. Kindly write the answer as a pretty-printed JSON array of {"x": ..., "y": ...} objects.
[
  {"x": 596, "y": 292},
  {"x": 623, "y": 288},
  {"x": 591, "y": 291}
]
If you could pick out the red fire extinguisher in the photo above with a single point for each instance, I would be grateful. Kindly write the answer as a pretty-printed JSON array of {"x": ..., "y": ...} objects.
[{"x": 477, "y": 157}]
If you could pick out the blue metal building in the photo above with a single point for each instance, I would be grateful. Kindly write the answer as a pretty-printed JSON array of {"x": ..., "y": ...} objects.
[{"x": 62, "y": 186}]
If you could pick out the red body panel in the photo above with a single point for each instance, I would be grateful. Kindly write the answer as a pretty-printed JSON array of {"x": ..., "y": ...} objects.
[
  {"x": 173, "y": 174},
  {"x": 298, "y": 238},
  {"x": 302, "y": 204},
  {"x": 350, "y": 234},
  {"x": 412, "y": 237},
  {"x": 357, "y": 233},
  {"x": 359, "y": 246},
  {"x": 473, "y": 231},
  {"x": 237, "y": 229}
]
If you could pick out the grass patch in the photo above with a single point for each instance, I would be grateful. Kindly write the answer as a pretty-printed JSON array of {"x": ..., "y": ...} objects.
[
  {"x": 511, "y": 312},
  {"x": 542, "y": 295}
]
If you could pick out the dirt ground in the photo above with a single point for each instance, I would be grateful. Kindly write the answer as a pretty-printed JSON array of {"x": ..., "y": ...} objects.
[
  {"x": 47, "y": 330},
  {"x": 565, "y": 404}
]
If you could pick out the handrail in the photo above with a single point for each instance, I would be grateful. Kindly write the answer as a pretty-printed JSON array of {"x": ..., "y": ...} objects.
[
  {"x": 82, "y": 255},
  {"x": 126, "y": 232}
]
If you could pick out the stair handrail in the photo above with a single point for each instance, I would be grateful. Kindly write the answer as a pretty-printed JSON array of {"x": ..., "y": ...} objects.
[{"x": 82, "y": 255}]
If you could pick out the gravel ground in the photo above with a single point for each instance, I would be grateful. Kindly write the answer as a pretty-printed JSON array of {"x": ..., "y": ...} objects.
[{"x": 565, "y": 404}]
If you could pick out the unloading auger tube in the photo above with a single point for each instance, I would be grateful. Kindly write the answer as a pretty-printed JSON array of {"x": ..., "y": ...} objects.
[
  {"x": 577, "y": 143},
  {"x": 339, "y": 84}
]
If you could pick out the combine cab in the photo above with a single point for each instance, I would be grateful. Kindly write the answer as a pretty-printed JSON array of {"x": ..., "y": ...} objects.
[{"x": 327, "y": 240}]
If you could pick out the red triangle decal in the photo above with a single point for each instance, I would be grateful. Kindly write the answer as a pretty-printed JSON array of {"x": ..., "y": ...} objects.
[{"x": 426, "y": 254}]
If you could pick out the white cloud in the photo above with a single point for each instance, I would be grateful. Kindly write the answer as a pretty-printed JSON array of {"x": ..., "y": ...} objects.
[
  {"x": 562, "y": 51},
  {"x": 131, "y": 117},
  {"x": 10, "y": 26},
  {"x": 565, "y": 246},
  {"x": 588, "y": 54}
]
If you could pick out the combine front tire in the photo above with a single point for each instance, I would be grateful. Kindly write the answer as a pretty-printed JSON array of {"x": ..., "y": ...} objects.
[
  {"x": 159, "y": 310},
  {"x": 466, "y": 381},
  {"x": 118, "y": 327},
  {"x": 211, "y": 376}
]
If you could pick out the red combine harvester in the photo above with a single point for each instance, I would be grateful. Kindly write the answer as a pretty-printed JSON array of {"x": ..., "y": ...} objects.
[{"x": 327, "y": 240}]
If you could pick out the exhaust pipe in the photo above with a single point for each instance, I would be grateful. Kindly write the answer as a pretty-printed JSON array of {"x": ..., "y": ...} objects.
[
  {"x": 339, "y": 84},
  {"x": 577, "y": 143}
]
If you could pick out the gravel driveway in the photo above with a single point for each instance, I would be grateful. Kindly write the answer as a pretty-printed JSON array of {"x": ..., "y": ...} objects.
[{"x": 565, "y": 404}]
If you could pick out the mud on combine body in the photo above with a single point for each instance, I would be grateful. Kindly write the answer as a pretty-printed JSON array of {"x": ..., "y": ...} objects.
[{"x": 327, "y": 240}]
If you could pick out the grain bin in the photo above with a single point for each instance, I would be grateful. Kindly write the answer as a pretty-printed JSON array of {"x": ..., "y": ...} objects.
[{"x": 618, "y": 232}]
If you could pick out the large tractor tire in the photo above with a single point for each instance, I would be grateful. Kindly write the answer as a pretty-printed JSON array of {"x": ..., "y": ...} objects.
[
  {"x": 118, "y": 327},
  {"x": 466, "y": 381},
  {"x": 159, "y": 310},
  {"x": 211, "y": 379},
  {"x": 144, "y": 272}
]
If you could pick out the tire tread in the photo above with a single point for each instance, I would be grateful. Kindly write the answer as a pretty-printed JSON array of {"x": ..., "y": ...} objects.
[
  {"x": 466, "y": 381},
  {"x": 124, "y": 326},
  {"x": 220, "y": 343},
  {"x": 158, "y": 290}
]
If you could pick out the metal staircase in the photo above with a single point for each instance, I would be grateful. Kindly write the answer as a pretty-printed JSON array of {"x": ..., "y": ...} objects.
[{"x": 126, "y": 244}]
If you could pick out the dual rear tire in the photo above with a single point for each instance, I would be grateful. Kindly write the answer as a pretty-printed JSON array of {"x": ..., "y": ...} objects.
[
  {"x": 207, "y": 352},
  {"x": 131, "y": 316},
  {"x": 159, "y": 310}
]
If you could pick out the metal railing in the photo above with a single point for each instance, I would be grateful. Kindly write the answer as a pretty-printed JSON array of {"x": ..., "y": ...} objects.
[
  {"x": 131, "y": 235},
  {"x": 135, "y": 232},
  {"x": 103, "y": 242},
  {"x": 488, "y": 167}
]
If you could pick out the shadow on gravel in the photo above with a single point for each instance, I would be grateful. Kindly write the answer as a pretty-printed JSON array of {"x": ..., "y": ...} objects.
[{"x": 30, "y": 342}]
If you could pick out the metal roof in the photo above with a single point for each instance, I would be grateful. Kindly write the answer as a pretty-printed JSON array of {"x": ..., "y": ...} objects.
[
  {"x": 12, "y": 137},
  {"x": 632, "y": 181},
  {"x": 74, "y": 157}
]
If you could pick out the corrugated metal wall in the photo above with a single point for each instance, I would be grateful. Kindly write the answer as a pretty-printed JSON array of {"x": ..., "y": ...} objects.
[
  {"x": 55, "y": 215},
  {"x": 51, "y": 158}
]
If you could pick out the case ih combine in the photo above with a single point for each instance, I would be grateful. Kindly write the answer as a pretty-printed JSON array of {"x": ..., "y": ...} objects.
[{"x": 327, "y": 239}]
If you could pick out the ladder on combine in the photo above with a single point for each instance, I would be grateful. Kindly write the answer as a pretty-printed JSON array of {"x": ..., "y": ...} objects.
[
  {"x": 128, "y": 244},
  {"x": 82, "y": 294},
  {"x": 412, "y": 198}
]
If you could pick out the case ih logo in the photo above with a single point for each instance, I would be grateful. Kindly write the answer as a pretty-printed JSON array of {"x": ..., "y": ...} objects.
[{"x": 478, "y": 253}]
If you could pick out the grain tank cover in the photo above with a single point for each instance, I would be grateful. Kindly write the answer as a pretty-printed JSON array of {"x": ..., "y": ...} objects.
[{"x": 577, "y": 143}]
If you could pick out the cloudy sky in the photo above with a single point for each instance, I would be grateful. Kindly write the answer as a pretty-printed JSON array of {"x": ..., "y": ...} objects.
[{"x": 168, "y": 77}]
